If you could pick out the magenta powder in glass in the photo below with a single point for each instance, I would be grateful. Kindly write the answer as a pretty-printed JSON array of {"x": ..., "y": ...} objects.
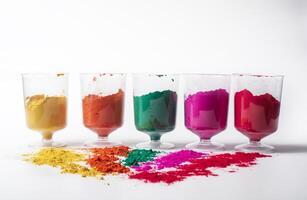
[
  {"x": 206, "y": 112},
  {"x": 170, "y": 160}
]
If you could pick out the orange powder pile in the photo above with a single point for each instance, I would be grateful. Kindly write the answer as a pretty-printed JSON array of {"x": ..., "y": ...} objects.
[
  {"x": 103, "y": 114},
  {"x": 107, "y": 160}
]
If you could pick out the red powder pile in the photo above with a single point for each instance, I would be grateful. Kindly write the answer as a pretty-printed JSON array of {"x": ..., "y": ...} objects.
[
  {"x": 107, "y": 160},
  {"x": 199, "y": 167}
]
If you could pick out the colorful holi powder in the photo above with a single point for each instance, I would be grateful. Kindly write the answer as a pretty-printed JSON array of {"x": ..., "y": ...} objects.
[
  {"x": 107, "y": 160},
  {"x": 145, "y": 165},
  {"x": 155, "y": 113},
  {"x": 206, "y": 112},
  {"x": 137, "y": 156},
  {"x": 202, "y": 166},
  {"x": 256, "y": 116},
  {"x": 67, "y": 160},
  {"x": 46, "y": 113},
  {"x": 103, "y": 114},
  {"x": 170, "y": 160},
  {"x": 122, "y": 151}
]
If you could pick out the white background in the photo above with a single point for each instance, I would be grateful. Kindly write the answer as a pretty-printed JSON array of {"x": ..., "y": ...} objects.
[{"x": 250, "y": 36}]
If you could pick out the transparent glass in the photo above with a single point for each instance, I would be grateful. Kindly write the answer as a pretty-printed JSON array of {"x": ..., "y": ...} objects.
[
  {"x": 103, "y": 97},
  {"x": 206, "y": 99},
  {"x": 45, "y": 101},
  {"x": 257, "y": 102},
  {"x": 155, "y": 106}
]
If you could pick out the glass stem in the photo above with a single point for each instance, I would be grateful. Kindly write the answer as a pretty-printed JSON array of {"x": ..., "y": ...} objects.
[
  {"x": 205, "y": 141},
  {"x": 155, "y": 143},
  {"x": 155, "y": 137},
  {"x": 255, "y": 143},
  {"x": 47, "y": 138},
  {"x": 102, "y": 139}
]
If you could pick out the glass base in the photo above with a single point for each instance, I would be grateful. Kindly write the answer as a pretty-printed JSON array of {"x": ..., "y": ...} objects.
[
  {"x": 254, "y": 146},
  {"x": 47, "y": 143},
  {"x": 206, "y": 145},
  {"x": 101, "y": 142},
  {"x": 158, "y": 145}
]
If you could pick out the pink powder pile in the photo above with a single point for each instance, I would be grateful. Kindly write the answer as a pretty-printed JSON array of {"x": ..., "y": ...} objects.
[{"x": 170, "y": 160}]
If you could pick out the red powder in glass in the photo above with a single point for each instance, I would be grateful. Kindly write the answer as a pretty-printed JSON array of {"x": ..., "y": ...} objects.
[
  {"x": 256, "y": 116},
  {"x": 199, "y": 167},
  {"x": 103, "y": 114}
]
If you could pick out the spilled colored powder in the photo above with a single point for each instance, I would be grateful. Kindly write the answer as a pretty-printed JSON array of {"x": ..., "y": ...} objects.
[
  {"x": 115, "y": 151},
  {"x": 199, "y": 167},
  {"x": 107, "y": 160},
  {"x": 137, "y": 156},
  {"x": 67, "y": 160},
  {"x": 170, "y": 160},
  {"x": 155, "y": 167}
]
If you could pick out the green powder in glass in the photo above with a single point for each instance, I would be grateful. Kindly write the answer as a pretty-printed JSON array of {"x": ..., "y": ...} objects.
[
  {"x": 137, "y": 156},
  {"x": 155, "y": 113}
]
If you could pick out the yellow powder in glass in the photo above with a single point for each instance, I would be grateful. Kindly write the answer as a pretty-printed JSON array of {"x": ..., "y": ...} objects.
[
  {"x": 67, "y": 160},
  {"x": 46, "y": 113}
]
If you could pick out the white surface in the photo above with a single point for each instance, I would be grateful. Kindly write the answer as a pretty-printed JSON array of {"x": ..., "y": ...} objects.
[
  {"x": 258, "y": 36},
  {"x": 281, "y": 177}
]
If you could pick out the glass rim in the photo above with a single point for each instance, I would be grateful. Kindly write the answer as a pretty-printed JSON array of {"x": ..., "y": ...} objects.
[
  {"x": 205, "y": 74},
  {"x": 101, "y": 73},
  {"x": 43, "y": 74},
  {"x": 259, "y": 75},
  {"x": 156, "y": 74}
]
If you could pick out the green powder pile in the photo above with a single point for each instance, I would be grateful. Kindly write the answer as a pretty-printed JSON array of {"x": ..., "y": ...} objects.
[{"x": 137, "y": 156}]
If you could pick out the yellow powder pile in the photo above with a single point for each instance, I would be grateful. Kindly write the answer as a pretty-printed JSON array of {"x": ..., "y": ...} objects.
[
  {"x": 46, "y": 113},
  {"x": 68, "y": 161}
]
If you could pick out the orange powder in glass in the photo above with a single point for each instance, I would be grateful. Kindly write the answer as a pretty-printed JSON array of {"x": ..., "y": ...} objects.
[{"x": 103, "y": 114}]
